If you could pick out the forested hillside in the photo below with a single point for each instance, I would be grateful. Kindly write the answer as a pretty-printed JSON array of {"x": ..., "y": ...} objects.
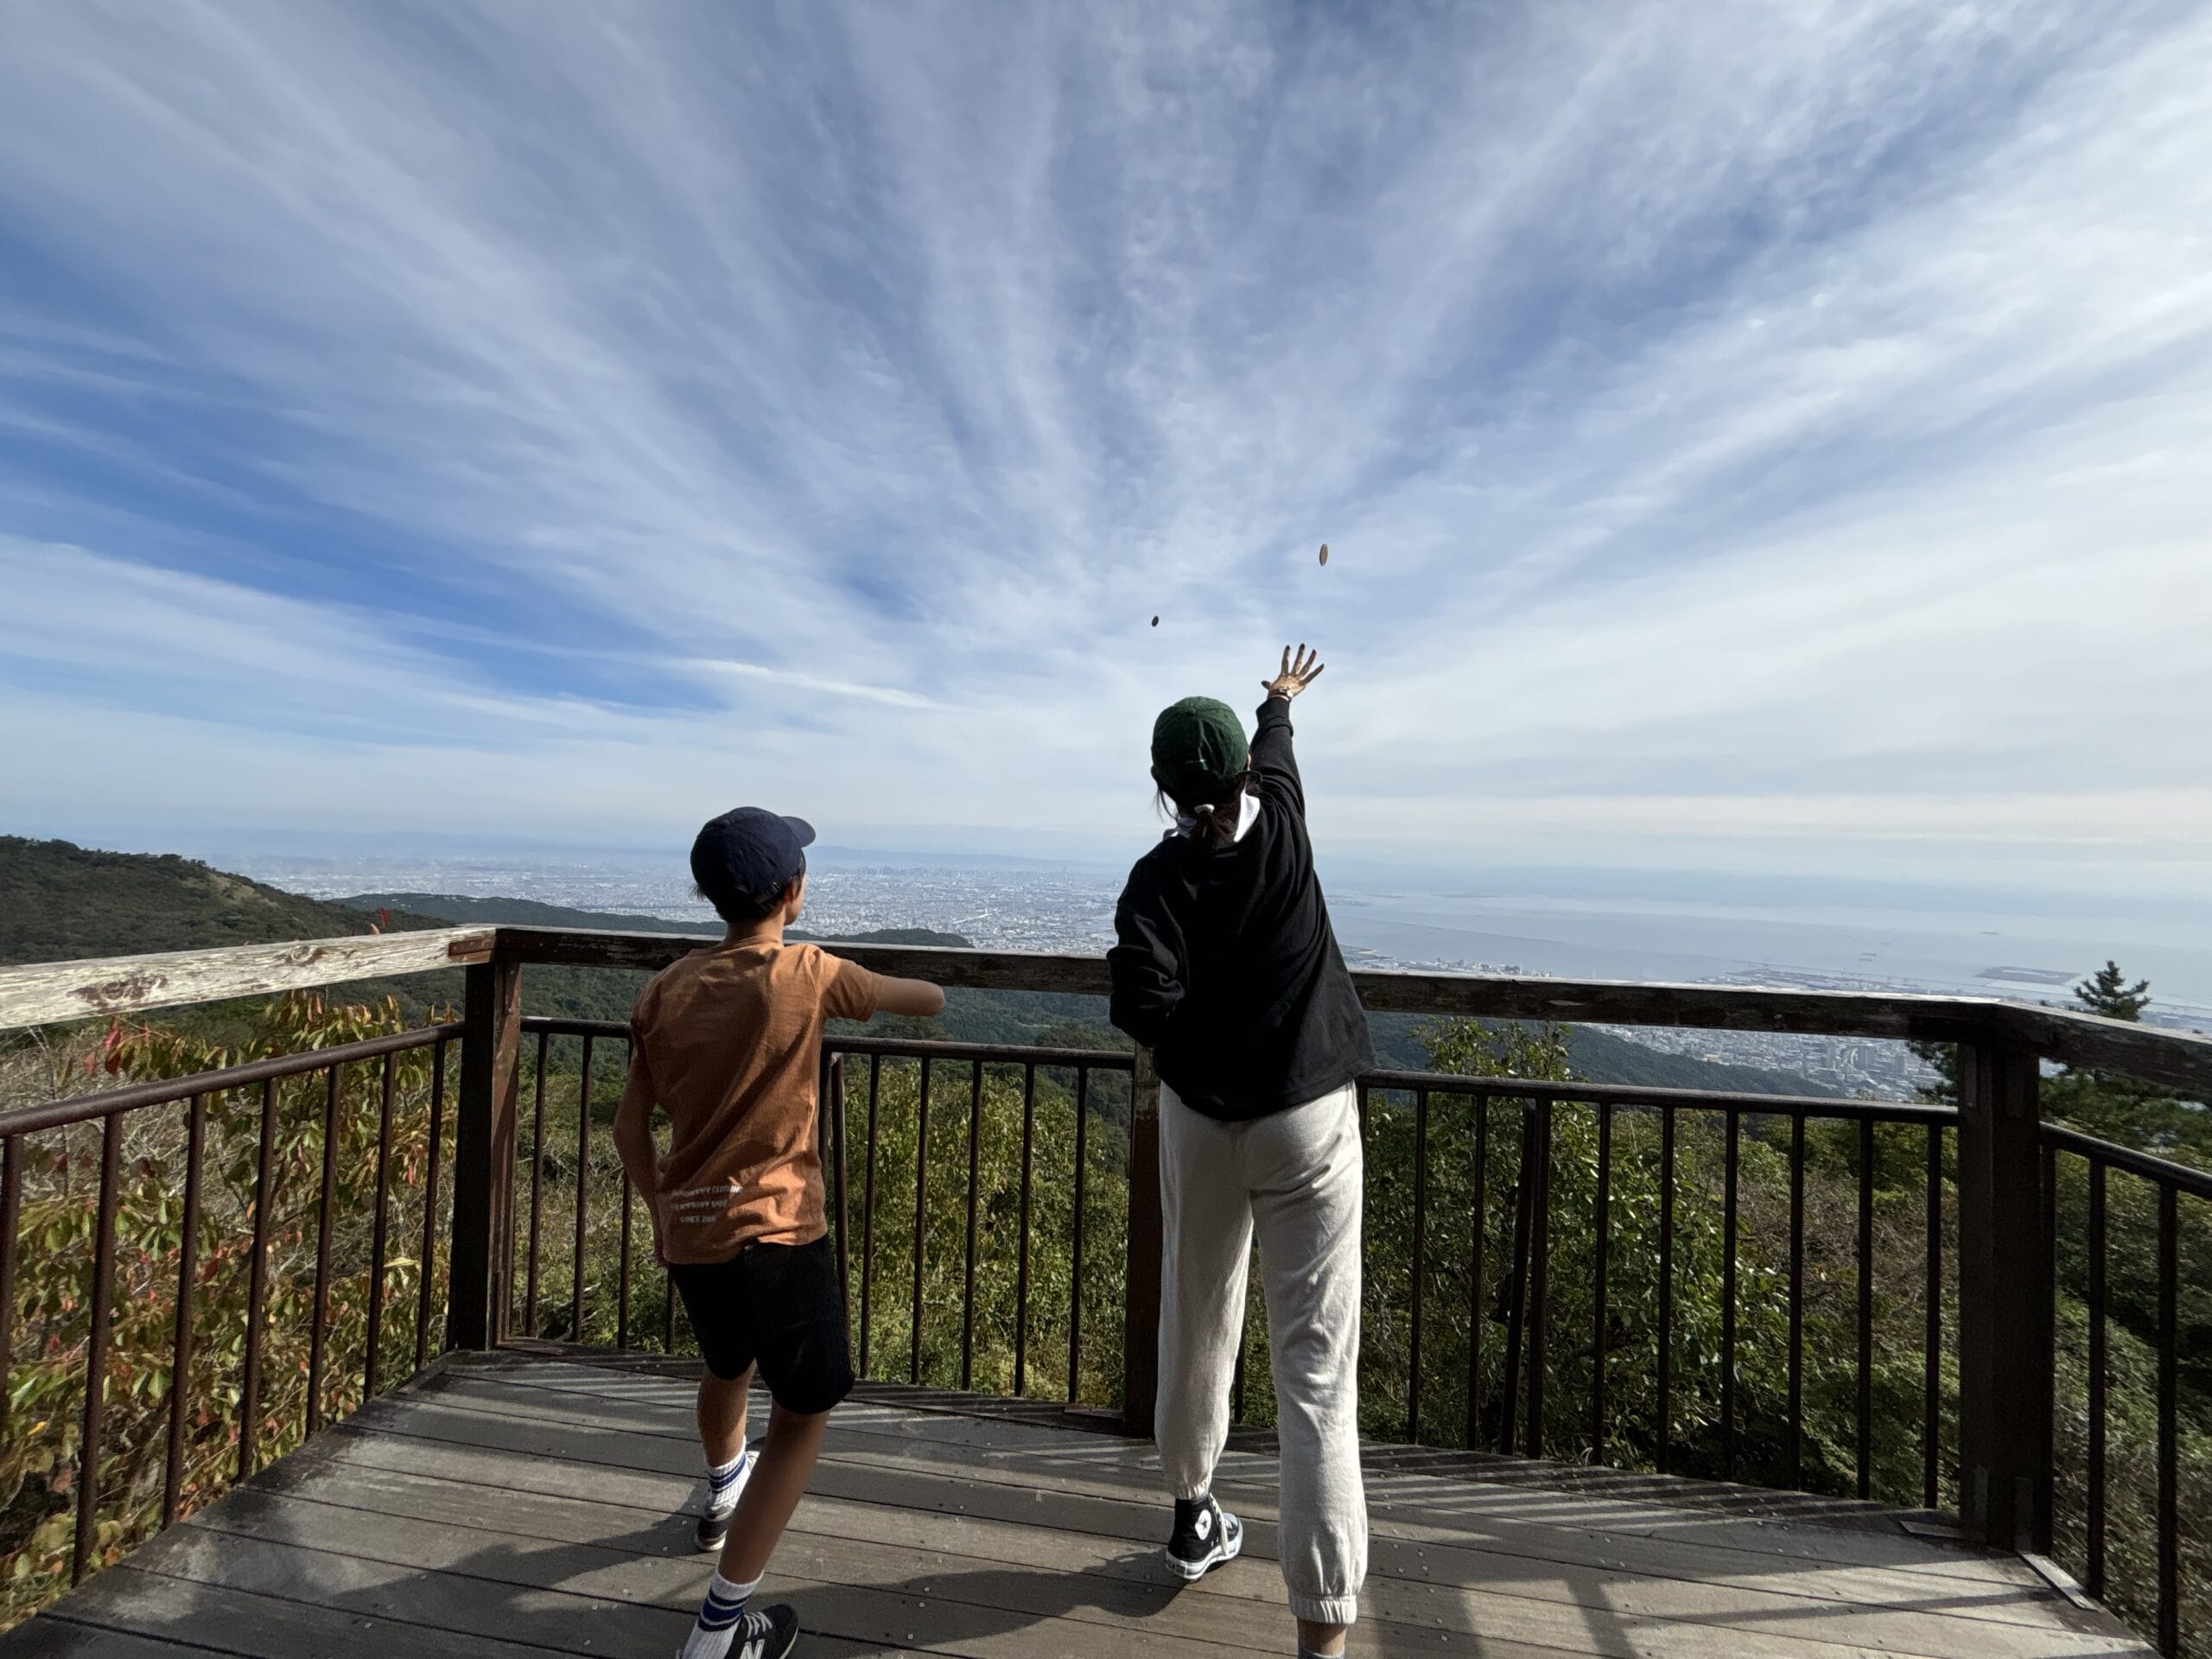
[{"x": 60, "y": 901}]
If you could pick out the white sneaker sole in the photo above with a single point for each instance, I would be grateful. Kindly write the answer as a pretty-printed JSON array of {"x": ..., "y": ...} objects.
[{"x": 1231, "y": 1546}]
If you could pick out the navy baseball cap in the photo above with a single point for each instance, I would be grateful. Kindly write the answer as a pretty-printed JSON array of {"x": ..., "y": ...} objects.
[{"x": 752, "y": 851}]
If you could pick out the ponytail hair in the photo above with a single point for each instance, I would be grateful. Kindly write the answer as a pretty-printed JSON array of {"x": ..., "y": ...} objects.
[{"x": 1216, "y": 818}]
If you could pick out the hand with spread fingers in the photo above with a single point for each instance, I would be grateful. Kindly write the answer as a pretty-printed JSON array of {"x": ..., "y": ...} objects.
[{"x": 1298, "y": 673}]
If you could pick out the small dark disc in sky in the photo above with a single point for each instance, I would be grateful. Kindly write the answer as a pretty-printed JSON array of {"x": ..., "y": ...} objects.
[
  {"x": 1325, "y": 552},
  {"x": 1156, "y": 621}
]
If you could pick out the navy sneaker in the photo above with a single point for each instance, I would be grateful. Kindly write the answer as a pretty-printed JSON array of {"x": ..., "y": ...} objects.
[
  {"x": 1205, "y": 1536},
  {"x": 769, "y": 1633}
]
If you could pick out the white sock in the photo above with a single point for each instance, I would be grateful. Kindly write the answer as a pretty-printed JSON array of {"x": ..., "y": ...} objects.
[
  {"x": 726, "y": 1481},
  {"x": 719, "y": 1616}
]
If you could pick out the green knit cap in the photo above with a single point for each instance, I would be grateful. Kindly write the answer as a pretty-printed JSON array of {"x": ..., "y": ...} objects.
[{"x": 1198, "y": 745}]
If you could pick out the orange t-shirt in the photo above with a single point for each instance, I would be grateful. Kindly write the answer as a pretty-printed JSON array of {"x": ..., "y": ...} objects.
[{"x": 730, "y": 1039}]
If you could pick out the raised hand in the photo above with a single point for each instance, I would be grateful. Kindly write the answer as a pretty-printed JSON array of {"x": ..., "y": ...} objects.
[{"x": 1298, "y": 673}]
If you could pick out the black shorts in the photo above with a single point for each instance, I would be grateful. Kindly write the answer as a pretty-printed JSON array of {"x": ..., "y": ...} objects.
[{"x": 777, "y": 1305}]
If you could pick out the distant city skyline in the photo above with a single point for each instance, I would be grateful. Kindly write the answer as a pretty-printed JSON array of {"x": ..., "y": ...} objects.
[{"x": 1753, "y": 442}]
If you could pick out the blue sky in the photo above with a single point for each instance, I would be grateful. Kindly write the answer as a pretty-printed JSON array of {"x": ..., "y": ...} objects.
[{"x": 1749, "y": 438}]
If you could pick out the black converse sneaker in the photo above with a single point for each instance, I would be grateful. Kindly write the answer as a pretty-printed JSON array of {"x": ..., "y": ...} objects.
[
  {"x": 1205, "y": 1536},
  {"x": 771, "y": 1633}
]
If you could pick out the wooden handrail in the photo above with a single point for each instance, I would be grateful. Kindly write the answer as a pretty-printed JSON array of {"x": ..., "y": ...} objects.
[{"x": 45, "y": 993}]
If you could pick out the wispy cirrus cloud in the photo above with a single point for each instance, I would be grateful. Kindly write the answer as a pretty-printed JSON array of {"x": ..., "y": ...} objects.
[{"x": 1797, "y": 412}]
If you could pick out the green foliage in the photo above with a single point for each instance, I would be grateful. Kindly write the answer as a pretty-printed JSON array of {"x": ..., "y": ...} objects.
[
  {"x": 1941, "y": 1059},
  {"x": 879, "y": 1210},
  {"x": 1515, "y": 1139},
  {"x": 1468, "y": 1048},
  {"x": 2108, "y": 1104},
  {"x": 2130, "y": 1112},
  {"x": 1469, "y": 1167},
  {"x": 2108, "y": 992},
  {"x": 2115, "y": 1107},
  {"x": 1601, "y": 1057},
  {"x": 2132, "y": 1335},
  {"x": 885, "y": 1272},
  {"x": 41, "y": 1463}
]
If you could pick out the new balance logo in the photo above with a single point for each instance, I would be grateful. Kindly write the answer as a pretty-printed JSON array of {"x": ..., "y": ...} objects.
[{"x": 756, "y": 1648}]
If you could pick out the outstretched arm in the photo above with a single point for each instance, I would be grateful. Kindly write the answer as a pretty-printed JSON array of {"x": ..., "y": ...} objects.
[
  {"x": 854, "y": 993},
  {"x": 1271, "y": 749},
  {"x": 911, "y": 997}
]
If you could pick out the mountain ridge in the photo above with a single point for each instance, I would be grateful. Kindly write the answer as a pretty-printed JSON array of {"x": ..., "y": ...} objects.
[{"x": 59, "y": 901}]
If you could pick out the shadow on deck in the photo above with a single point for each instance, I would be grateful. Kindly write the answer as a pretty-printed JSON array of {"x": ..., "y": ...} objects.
[{"x": 512, "y": 1504}]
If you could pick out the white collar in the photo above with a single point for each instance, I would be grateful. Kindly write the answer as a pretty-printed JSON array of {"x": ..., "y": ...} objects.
[{"x": 1248, "y": 813}]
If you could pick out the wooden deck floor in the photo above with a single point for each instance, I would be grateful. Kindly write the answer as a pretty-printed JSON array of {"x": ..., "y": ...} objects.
[{"x": 511, "y": 1505}]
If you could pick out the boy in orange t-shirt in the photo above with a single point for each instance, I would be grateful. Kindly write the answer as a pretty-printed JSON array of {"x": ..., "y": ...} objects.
[{"x": 727, "y": 1042}]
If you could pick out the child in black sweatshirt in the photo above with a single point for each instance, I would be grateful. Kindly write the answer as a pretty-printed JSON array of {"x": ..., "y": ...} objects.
[{"x": 1227, "y": 968}]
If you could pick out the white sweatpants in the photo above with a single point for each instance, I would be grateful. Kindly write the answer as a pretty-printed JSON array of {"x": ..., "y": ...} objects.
[{"x": 1295, "y": 1178}]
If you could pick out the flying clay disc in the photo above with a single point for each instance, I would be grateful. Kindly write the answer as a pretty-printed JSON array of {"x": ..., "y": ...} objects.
[
  {"x": 1325, "y": 552},
  {"x": 1156, "y": 621}
]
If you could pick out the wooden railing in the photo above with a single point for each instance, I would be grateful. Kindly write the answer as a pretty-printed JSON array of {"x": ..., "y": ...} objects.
[{"x": 2001, "y": 1158}]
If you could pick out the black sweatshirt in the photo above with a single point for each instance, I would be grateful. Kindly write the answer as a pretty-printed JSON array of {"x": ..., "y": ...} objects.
[{"x": 1227, "y": 968}]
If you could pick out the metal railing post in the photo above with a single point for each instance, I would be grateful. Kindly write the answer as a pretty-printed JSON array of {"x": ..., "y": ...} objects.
[
  {"x": 2004, "y": 1267},
  {"x": 484, "y": 1152},
  {"x": 1140, "y": 1333}
]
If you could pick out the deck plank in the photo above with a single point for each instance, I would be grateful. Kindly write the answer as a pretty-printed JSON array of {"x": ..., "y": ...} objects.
[
  {"x": 1093, "y": 1495},
  {"x": 1088, "y": 1504},
  {"x": 512, "y": 1505},
  {"x": 1049, "y": 1578},
  {"x": 1422, "y": 1588},
  {"x": 1413, "y": 1572},
  {"x": 1416, "y": 1497}
]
